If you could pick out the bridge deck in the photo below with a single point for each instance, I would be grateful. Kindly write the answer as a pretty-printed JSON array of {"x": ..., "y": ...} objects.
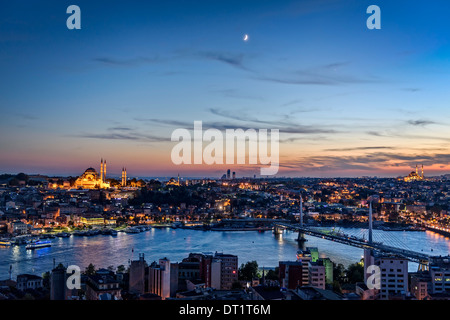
[{"x": 355, "y": 242}]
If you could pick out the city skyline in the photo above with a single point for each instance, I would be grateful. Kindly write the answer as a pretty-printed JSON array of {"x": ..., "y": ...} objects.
[{"x": 348, "y": 101}]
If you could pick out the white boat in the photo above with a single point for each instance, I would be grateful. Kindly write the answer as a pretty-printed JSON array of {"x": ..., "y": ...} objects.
[
  {"x": 132, "y": 230},
  {"x": 39, "y": 244}
]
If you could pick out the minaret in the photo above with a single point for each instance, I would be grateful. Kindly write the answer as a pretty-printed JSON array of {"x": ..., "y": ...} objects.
[
  {"x": 422, "y": 171},
  {"x": 104, "y": 172},
  {"x": 101, "y": 170},
  {"x": 417, "y": 172},
  {"x": 121, "y": 183},
  {"x": 125, "y": 181}
]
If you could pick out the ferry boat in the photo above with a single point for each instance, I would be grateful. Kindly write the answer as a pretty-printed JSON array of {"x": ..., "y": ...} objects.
[
  {"x": 39, "y": 244},
  {"x": 5, "y": 242}
]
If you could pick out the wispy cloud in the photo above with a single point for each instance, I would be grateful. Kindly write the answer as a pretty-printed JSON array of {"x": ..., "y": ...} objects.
[
  {"x": 129, "y": 62},
  {"x": 358, "y": 148},
  {"x": 328, "y": 74},
  {"x": 367, "y": 162},
  {"x": 232, "y": 59},
  {"x": 133, "y": 136},
  {"x": 420, "y": 122},
  {"x": 222, "y": 126}
]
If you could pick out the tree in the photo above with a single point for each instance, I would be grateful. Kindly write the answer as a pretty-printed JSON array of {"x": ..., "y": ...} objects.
[
  {"x": 90, "y": 270},
  {"x": 248, "y": 271},
  {"x": 121, "y": 269},
  {"x": 273, "y": 274},
  {"x": 46, "y": 279},
  {"x": 22, "y": 176},
  {"x": 339, "y": 272},
  {"x": 355, "y": 273}
]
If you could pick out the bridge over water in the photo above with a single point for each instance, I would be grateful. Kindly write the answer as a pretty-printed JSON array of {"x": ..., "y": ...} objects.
[{"x": 351, "y": 240}]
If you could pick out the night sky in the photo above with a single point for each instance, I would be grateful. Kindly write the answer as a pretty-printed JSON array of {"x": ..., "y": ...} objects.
[{"x": 348, "y": 101}]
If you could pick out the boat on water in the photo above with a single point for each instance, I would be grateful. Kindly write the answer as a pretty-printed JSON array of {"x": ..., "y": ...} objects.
[
  {"x": 47, "y": 236},
  {"x": 37, "y": 244},
  {"x": 132, "y": 230},
  {"x": 5, "y": 243},
  {"x": 63, "y": 235},
  {"x": 110, "y": 232}
]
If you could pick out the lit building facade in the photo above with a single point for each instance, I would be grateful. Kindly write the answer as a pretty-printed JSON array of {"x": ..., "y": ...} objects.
[{"x": 90, "y": 179}]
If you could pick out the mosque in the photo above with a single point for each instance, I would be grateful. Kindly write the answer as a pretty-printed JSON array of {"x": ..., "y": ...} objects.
[
  {"x": 90, "y": 179},
  {"x": 414, "y": 176}
]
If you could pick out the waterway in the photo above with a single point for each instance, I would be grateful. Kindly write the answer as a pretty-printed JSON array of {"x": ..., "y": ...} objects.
[{"x": 175, "y": 244}]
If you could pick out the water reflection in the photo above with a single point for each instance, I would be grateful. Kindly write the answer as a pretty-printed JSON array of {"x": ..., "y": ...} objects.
[{"x": 264, "y": 247}]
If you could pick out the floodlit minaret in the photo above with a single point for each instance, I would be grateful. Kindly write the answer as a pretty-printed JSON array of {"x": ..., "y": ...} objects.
[
  {"x": 422, "y": 171},
  {"x": 124, "y": 177},
  {"x": 417, "y": 172},
  {"x": 101, "y": 170},
  {"x": 104, "y": 172}
]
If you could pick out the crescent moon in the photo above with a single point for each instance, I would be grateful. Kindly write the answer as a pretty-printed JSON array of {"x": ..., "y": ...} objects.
[{"x": 246, "y": 37}]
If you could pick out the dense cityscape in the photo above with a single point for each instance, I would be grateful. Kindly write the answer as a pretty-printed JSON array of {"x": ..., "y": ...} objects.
[
  {"x": 220, "y": 159},
  {"x": 36, "y": 209}
]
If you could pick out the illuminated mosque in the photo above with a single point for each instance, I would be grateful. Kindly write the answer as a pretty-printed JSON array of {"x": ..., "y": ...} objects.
[
  {"x": 91, "y": 180},
  {"x": 414, "y": 176}
]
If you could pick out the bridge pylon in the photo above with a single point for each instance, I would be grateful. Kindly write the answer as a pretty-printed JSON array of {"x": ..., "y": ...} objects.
[
  {"x": 370, "y": 223},
  {"x": 301, "y": 237},
  {"x": 424, "y": 265}
]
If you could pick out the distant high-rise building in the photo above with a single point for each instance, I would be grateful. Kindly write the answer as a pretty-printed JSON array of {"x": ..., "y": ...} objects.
[
  {"x": 234, "y": 175},
  {"x": 228, "y": 174}
]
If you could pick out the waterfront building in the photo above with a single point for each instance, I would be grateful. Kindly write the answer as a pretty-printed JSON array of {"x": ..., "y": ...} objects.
[{"x": 17, "y": 227}]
